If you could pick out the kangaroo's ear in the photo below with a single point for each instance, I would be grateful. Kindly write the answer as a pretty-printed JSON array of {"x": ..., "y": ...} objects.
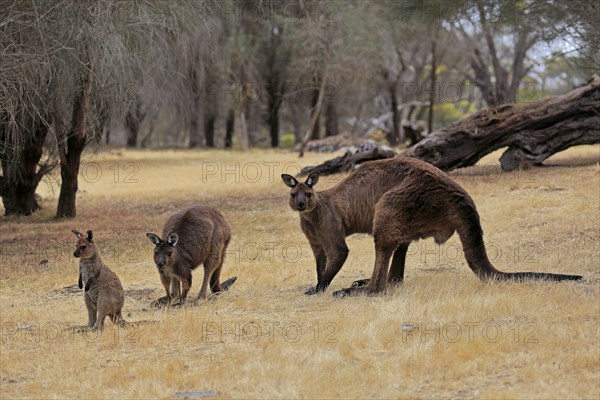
[
  {"x": 172, "y": 239},
  {"x": 312, "y": 179},
  {"x": 153, "y": 238},
  {"x": 90, "y": 235},
  {"x": 77, "y": 233},
  {"x": 289, "y": 180}
]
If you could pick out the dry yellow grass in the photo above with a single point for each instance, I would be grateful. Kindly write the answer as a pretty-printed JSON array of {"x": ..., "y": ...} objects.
[{"x": 264, "y": 338}]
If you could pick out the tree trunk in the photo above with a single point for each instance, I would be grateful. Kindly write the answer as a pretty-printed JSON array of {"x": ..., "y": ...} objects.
[
  {"x": 331, "y": 120},
  {"x": 197, "y": 112},
  {"x": 69, "y": 183},
  {"x": 146, "y": 138},
  {"x": 102, "y": 125},
  {"x": 296, "y": 124},
  {"x": 274, "y": 124},
  {"x": 532, "y": 131},
  {"x": 242, "y": 128},
  {"x": 133, "y": 127},
  {"x": 195, "y": 133},
  {"x": 433, "y": 86},
  {"x": 18, "y": 198},
  {"x": 411, "y": 135},
  {"x": 315, "y": 113},
  {"x": 229, "y": 126},
  {"x": 21, "y": 176},
  {"x": 393, "y": 137},
  {"x": 252, "y": 124},
  {"x": 275, "y": 66},
  {"x": 211, "y": 105},
  {"x": 209, "y": 128},
  {"x": 498, "y": 89},
  {"x": 70, "y": 149},
  {"x": 195, "y": 138},
  {"x": 133, "y": 120},
  {"x": 274, "y": 93},
  {"x": 275, "y": 97}
]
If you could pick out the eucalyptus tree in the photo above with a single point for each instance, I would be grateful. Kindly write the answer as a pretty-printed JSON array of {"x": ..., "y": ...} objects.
[
  {"x": 499, "y": 38},
  {"x": 66, "y": 66}
]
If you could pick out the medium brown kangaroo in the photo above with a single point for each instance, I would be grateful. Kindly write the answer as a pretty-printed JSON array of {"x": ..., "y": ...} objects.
[
  {"x": 103, "y": 292},
  {"x": 397, "y": 200},
  {"x": 195, "y": 235}
]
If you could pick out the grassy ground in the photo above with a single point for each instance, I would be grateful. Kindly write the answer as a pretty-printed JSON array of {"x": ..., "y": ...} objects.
[{"x": 442, "y": 334}]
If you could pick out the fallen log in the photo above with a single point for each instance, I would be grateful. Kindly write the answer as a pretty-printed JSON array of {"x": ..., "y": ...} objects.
[
  {"x": 332, "y": 143},
  {"x": 368, "y": 151},
  {"x": 531, "y": 131}
]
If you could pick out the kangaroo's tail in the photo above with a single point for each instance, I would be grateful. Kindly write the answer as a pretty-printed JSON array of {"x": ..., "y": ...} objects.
[
  {"x": 471, "y": 237},
  {"x": 542, "y": 276},
  {"x": 225, "y": 285}
]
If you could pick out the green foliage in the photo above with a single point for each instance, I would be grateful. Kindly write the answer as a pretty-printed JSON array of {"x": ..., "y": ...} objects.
[
  {"x": 287, "y": 140},
  {"x": 529, "y": 90},
  {"x": 448, "y": 113}
]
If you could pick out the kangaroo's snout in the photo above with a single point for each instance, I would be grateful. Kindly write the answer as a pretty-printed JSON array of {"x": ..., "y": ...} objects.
[
  {"x": 76, "y": 254},
  {"x": 301, "y": 206}
]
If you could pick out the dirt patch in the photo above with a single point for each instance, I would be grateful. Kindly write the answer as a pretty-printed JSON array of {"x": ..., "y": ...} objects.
[
  {"x": 551, "y": 189},
  {"x": 67, "y": 291},
  {"x": 579, "y": 160},
  {"x": 442, "y": 270},
  {"x": 9, "y": 380},
  {"x": 77, "y": 328},
  {"x": 137, "y": 293},
  {"x": 141, "y": 293}
]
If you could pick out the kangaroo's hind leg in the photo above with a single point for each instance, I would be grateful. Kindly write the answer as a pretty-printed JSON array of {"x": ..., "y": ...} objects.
[
  {"x": 117, "y": 319},
  {"x": 92, "y": 310},
  {"x": 396, "y": 273},
  {"x": 103, "y": 310},
  {"x": 379, "y": 277},
  {"x": 215, "y": 285},
  {"x": 211, "y": 265},
  {"x": 391, "y": 233}
]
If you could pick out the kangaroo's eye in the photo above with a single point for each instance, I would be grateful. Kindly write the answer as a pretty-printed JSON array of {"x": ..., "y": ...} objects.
[
  {"x": 293, "y": 195},
  {"x": 83, "y": 247},
  {"x": 156, "y": 253},
  {"x": 169, "y": 254},
  {"x": 308, "y": 195}
]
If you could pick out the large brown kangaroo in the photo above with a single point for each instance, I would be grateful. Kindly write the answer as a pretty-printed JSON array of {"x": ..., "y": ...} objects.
[
  {"x": 195, "y": 235},
  {"x": 397, "y": 200}
]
